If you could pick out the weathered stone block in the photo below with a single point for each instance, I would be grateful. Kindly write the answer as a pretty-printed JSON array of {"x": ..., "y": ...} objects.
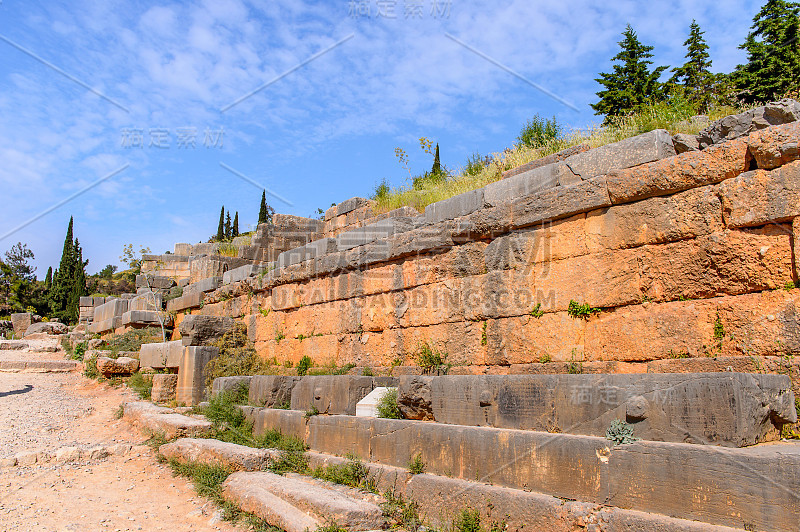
[
  {"x": 203, "y": 330},
  {"x": 775, "y": 146},
  {"x": 455, "y": 207},
  {"x": 523, "y": 184},
  {"x": 208, "y": 284},
  {"x": 156, "y": 282},
  {"x": 548, "y": 160},
  {"x": 149, "y": 301},
  {"x": 49, "y": 327},
  {"x": 382, "y": 230},
  {"x": 760, "y": 197},
  {"x": 110, "y": 309},
  {"x": 161, "y": 355},
  {"x": 215, "y": 452},
  {"x": 735, "y": 126},
  {"x": 634, "y": 151},
  {"x": 116, "y": 366},
  {"x": 225, "y": 384},
  {"x": 191, "y": 388},
  {"x": 271, "y": 390},
  {"x": 186, "y": 301},
  {"x": 663, "y": 407},
  {"x": 288, "y": 422},
  {"x": 147, "y": 318},
  {"x": 241, "y": 273},
  {"x": 21, "y": 321},
  {"x": 560, "y": 202},
  {"x": 164, "y": 387},
  {"x": 334, "y": 394},
  {"x": 351, "y": 204},
  {"x": 682, "y": 172}
]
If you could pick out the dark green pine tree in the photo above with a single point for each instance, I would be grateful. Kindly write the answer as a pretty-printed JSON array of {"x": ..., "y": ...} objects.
[
  {"x": 235, "y": 230},
  {"x": 437, "y": 166},
  {"x": 773, "y": 53},
  {"x": 221, "y": 226},
  {"x": 228, "y": 227},
  {"x": 262, "y": 213},
  {"x": 695, "y": 77},
  {"x": 48, "y": 279},
  {"x": 632, "y": 83}
]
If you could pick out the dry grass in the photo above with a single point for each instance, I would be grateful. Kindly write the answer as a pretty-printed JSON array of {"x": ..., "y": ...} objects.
[{"x": 673, "y": 117}]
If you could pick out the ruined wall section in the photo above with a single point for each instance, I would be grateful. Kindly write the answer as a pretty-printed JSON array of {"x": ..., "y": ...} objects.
[{"x": 688, "y": 256}]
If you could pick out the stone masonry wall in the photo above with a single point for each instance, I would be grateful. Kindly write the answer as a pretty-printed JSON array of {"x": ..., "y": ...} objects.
[{"x": 688, "y": 256}]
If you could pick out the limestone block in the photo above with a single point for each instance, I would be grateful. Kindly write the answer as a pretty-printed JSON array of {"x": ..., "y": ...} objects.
[
  {"x": 147, "y": 318},
  {"x": 164, "y": 387},
  {"x": 161, "y": 355},
  {"x": 414, "y": 396},
  {"x": 215, "y": 452},
  {"x": 760, "y": 197},
  {"x": 378, "y": 231},
  {"x": 186, "y": 301},
  {"x": 148, "y": 301},
  {"x": 156, "y": 282},
  {"x": 50, "y": 327},
  {"x": 454, "y": 207},
  {"x": 272, "y": 390},
  {"x": 110, "y": 310},
  {"x": 288, "y": 422},
  {"x": 663, "y": 407},
  {"x": 548, "y": 160},
  {"x": 560, "y": 202},
  {"x": 775, "y": 146},
  {"x": 735, "y": 126},
  {"x": 116, "y": 366},
  {"x": 204, "y": 330},
  {"x": 225, "y": 384},
  {"x": 522, "y": 184},
  {"x": 688, "y": 170},
  {"x": 208, "y": 284},
  {"x": 334, "y": 394},
  {"x": 684, "y": 143},
  {"x": 191, "y": 389},
  {"x": 241, "y": 273},
  {"x": 368, "y": 406},
  {"x": 351, "y": 205},
  {"x": 21, "y": 321}
]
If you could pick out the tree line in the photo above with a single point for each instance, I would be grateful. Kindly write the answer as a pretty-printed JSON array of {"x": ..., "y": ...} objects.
[
  {"x": 772, "y": 70},
  {"x": 228, "y": 229}
]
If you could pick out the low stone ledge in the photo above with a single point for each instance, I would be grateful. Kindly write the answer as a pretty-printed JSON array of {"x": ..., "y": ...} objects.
[
  {"x": 215, "y": 452},
  {"x": 334, "y": 394},
  {"x": 161, "y": 355}
]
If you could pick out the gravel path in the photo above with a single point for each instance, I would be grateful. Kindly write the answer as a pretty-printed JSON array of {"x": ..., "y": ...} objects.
[{"x": 126, "y": 491}]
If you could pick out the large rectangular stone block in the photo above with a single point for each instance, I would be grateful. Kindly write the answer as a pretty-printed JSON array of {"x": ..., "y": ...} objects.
[
  {"x": 161, "y": 355},
  {"x": 272, "y": 390},
  {"x": 351, "y": 204},
  {"x": 288, "y": 422},
  {"x": 225, "y": 384},
  {"x": 209, "y": 284},
  {"x": 334, "y": 394},
  {"x": 156, "y": 282},
  {"x": 634, "y": 151},
  {"x": 186, "y": 301},
  {"x": 560, "y": 202},
  {"x": 146, "y": 317},
  {"x": 191, "y": 388},
  {"x": 523, "y": 184},
  {"x": 241, "y": 273},
  {"x": 378, "y": 231},
  {"x": 455, "y": 207},
  {"x": 730, "y": 409},
  {"x": 760, "y": 197},
  {"x": 110, "y": 309},
  {"x": 149, "y": 301}
]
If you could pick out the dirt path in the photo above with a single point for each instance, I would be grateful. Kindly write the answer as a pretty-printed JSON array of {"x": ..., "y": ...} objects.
[{"x": 42, "y": 413}]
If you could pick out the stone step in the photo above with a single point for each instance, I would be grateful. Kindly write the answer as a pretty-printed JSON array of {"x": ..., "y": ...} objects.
[
  {"x": 215, "y": 452},
  {"x": 39, "y": 366},
  {"x": 294, "y": 503},
  {"x": 159, "y": 419}
]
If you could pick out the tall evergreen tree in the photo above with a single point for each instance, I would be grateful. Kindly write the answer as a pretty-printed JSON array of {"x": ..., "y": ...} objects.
[
  {"x": 695, "y": 75},
  {"x": 773, "y": 53},
  {"x": 437, "y": 166},
  {"x": 632, "y": 83},
  {"x": 228, "y": 227},
  {"x": 48, "y": 279},
  {"x": 262, "y": 213},
  {"x": 221, "y": 226},
  {"x": 235, "y": 230},
  {"x": 69, "y": 280}
]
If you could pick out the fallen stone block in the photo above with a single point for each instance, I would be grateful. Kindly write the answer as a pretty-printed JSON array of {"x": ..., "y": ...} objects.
[
  {"x": 161, "y": 420},
  {"x": 21, "y": 321},
  {"x": 760, "y": 197},
  {"x": 161, "y": 355},
  {"x": 156, "y": 282},
  {"x": 116, "y": 366},
  {"x": 146, "y": 318},
  {"x": 324, "y": 502},
  {"x": 13, "y": 345},
  {"x": 253, "y": 498},
  {"x": 684, "y": 142},
  {"x": 224, "y": 384},
  {"x": 689, "y": 408},
  {"x": 47, "y": 328},
  {"x": 455, "y": 207},
  {"x": 735, "y": 126},
  {"x": 218, "y": 453},
  {"x": 204, "y": 330},
  {"x": 334, "y": 394},
  {"x": 191, "y": 388},
  {"x": 271, "y": 390},
  {"x": 164, "y": 387}
]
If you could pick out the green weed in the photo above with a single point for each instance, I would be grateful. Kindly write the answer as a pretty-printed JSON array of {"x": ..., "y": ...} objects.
[
  {"x": 388, "y": 407},
  {"x": 583, "y": 311},
  {"x": 416, "y": 466}
]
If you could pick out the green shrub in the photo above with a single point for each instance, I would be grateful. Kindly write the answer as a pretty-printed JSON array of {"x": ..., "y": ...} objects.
[
  {"x": 290, "y": 462},
  {"x": 353, "y": 473},
  {"x": 467, "y": 520},
  {"x": 430, "y": 359},
  {"x": 90, "y": 369},
  {"x": 475, "y": 165},
  {"x": 584, "y": 311},
  {"x": 367, "y": 372},
  {"x": 237, "y": 356},
  {"x": 388, "y": 407},
  {"x": 537, "y": 312},
  {"x": 538, "y": 132},
  {"x": 719, "y": 329},
  {"x": 416, "y": 466},
  {"x": 620, "y": 433},
  {"x": 304, "y": 364},
  {"x": 131, "y": 340},
  {"x": 141, "y": 385},
  {"x": 382, "y": 191},
  {"x": 80, "y": 351},
  {"x": 312, "y": 411},
  {"x": 401, "y": 513}
]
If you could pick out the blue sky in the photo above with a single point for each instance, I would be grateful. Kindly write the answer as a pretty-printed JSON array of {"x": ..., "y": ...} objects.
[{"x": 79, "y": 79}]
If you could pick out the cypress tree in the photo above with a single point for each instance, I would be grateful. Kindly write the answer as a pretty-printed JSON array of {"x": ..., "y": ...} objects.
[
  {"x": 437, "y": 166},
  {"x": 48, "y": 279},
  {"x": 78, "y": 288},
  {"x": 221, "y": 226},
  {"x": 235, "y": 230},
  {"x": 262, "y": 213},
  {"x": 228, "y": 227},
  {"x": 695, "y": 76},
  {"x": 773, "y": 53},
  {"x": 68, "y": 283},
  {"x": 632, "y": 83}
]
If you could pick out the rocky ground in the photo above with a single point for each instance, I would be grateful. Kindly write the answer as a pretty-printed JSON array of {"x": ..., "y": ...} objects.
[{"x": 78, "y": 467}]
